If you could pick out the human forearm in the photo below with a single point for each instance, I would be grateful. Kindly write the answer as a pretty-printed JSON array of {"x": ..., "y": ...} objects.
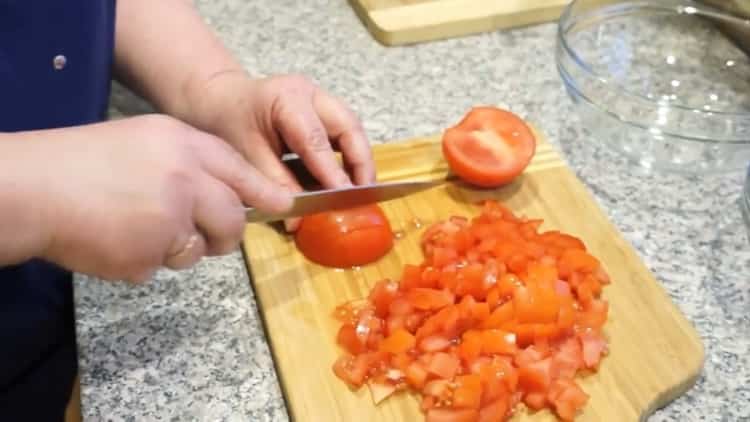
[
  {"x": 24, "y": 215},
  {"x": 167, "y": 54}
]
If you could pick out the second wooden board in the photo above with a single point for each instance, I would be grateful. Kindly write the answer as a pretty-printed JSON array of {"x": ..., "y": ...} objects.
[
  {"x": 655, "y": 353},
  {"x": 397, "y": 22}
]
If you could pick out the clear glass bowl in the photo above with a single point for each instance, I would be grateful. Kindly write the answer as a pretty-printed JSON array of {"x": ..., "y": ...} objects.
[{"x": 660, "y": 81}]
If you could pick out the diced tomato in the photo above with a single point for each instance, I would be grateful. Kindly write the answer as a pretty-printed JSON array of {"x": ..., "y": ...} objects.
[
  {"x": 354, "y": 370},
  {"x": 411, "y": 277},
  {"x": 429, "y": 299},
  {"x": 470, "y": 347},
  {"x": 495, "y": 411},
  {"x": 468, "y": 391},
  {"x": 452, "y": 415},
  {"x": 443, "y": 365},
  {"x": 567, "y": 398},
  {"x": 382, "y": 295},
  {"x": 416, "y": 374},
  {"x": 496, "y": 341},
  {"x": 400, "y": 306},
  {"x": 434, "y": 343},
  {"x": 577, "y": 260},
  {"x": 593, "y": 346},
  {"x": 536, "y": 376},
  {"x": 497, "y": 314},
  {"x": 535, "y": 400},
  {"x": 400, "y": 341},
  {"x": 443, "y": 256},
  {"x": 349, "y": 340},
  {"x": 430, "y": 277}
]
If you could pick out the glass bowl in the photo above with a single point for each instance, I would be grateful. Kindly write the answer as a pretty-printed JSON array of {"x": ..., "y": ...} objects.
[{"x": 660, "y": 81}]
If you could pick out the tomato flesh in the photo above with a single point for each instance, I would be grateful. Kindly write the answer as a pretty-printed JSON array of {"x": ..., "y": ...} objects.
[
  {"x": 498, "y": 314},
  {"x": 345, "y": 238},
  {"x": 489, "y": 147}
]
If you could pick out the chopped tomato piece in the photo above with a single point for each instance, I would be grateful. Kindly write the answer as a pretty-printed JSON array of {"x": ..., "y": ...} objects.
[
  {"x": 452, "y": 415},
  {"x": 536, "y": 376},
  {"x": 416, "y": 374},
  {"x": 349, "y": 340},
  {"x": 470, "y": 347},
  {"x": 400, "y": 341},
  {"x": 494, "y": 412},
  {"x": 443, "y": 365},
  {"x": 535, "y": 400},
  {"x": 496, "y": 341},
  {"x": 382, "y": 295},
  {"x": 468, "y": 391},
  {"x": 594, "y": 346},
  {"x": 434, "y": 343},
  {"x": 428, "y": 299}
]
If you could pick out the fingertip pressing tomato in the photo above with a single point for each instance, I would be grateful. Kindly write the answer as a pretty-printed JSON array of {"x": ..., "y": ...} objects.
[
  {"x": 489, "y": 147},
  {"x": 345, "y": 238}
]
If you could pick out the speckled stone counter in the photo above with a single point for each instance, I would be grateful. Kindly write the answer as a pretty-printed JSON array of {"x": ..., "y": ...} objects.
[{"x": 190, "y": 345}]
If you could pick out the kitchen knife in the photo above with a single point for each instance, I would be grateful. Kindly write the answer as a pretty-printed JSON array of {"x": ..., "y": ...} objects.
[{"x": 330, "y": 199}]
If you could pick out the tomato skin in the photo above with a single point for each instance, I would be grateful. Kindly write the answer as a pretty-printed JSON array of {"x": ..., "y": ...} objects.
[
  {"x": 345, "y": 238},
  {"x": 489, "y": 147}
]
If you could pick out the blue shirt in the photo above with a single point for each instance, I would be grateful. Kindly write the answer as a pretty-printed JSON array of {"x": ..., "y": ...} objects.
[{"x": 55, "y": 71}]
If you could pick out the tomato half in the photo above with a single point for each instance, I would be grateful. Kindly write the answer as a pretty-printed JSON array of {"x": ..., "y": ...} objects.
[
  {"x": 345, "y": 238},
  {"x": 489, "y": 147}
]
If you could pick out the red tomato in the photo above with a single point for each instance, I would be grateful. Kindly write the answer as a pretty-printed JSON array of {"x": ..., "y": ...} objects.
[
  {"x": 489, "y": 147},
  {"x": 345, "y": 238}
]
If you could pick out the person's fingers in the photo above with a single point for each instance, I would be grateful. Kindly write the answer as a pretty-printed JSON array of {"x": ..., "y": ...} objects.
[
  {"x": 253, "y": 188},
  {"x": 219, "y": 216},
  {"x": 304, "y": 133},
  {"x": 186, "y": 251},
  {"x": 268, "y": 162},
  {"x": 343, "y": 125}
]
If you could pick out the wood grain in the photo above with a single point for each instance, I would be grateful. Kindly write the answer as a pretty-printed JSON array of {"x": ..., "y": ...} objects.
[
  {"x": 398, "y": 22},
  {"x": 655, "y": 353}
]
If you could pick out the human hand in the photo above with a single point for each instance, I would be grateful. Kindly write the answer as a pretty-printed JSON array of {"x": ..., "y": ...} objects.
[
  {"x": 265, "y": 118},
  {"x": 127, "y": 197}
]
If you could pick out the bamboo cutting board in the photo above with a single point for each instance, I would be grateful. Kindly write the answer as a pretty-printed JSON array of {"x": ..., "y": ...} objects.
[
  {"x": 396, "y": 22},
  {"x": 655, "y": 353}
]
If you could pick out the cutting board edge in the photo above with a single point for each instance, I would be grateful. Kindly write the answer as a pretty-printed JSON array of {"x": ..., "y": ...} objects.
[{"x": 407, "y": 35}]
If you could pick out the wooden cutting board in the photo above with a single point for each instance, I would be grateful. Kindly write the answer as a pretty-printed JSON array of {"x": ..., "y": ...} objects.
[
  {"x": 655, "y": 356},
  {"x": 396, "y": 22}
]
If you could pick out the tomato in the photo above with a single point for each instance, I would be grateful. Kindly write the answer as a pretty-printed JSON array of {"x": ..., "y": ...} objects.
[
  {"x": 489, "y": 147},
  {"x": 498, "y": 313},
  {"x": 345, "y": 238},
  {"x": 450, "y": 415},
  {"x": 399, "y": 341}
]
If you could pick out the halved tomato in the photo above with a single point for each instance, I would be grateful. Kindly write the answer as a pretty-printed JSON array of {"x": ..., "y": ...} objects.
[
  {"x": 489, "y": 147},
  {"x": 345, "y": 238}
]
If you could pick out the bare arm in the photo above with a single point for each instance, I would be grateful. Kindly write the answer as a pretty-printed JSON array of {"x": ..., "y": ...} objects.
[{"x": 166, "y": 53}]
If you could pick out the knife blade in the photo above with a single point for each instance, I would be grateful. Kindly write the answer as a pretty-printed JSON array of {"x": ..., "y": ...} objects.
[{"x": 331, "y": 199}]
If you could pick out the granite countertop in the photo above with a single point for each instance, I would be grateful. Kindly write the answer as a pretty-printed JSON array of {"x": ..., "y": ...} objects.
[{"x": 190, "y": 345}]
